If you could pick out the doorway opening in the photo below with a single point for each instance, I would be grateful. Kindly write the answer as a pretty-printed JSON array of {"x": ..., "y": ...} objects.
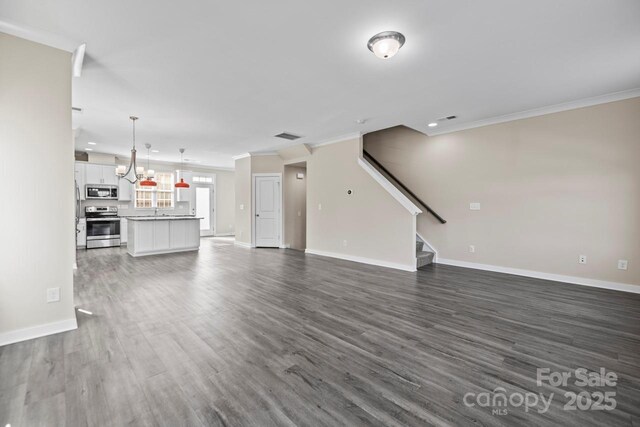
[
  {"x": 295, "y": 206},
  {"x": 204, "y": 189}
]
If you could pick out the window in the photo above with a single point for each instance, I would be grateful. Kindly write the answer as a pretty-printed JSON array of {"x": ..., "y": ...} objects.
[
  {"x": 164, "y": 190},
  {"x": 160, "y": 196},
  {"x": 204, "y": 179}
]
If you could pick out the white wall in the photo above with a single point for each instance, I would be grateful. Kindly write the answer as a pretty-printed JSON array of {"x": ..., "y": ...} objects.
[
  {"x": 243, "y": 200},
  {"x": 375, "y": 226},
  {"x": 295, "y": 207},
  {"x": 551, "y": 188},
  {"x": 37, "y": 222}
]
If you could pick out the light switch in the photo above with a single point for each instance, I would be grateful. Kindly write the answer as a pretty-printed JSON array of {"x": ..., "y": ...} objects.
[
  {"x": 319, "y": 206},
  {"x": 241, "y": 207},
  {"x": 299, "y": 213},
  {"x": 474, "y": 206}
]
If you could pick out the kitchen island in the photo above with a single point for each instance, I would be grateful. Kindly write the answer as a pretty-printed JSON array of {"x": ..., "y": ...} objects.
[{"x": 151, "y": 235}]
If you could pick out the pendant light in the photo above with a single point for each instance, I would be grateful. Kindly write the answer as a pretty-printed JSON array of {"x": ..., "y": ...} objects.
[
  {"x": 181, "y": 184},
  {"x": 147, "y": 182},
  {"x": 133, "y": 173}
]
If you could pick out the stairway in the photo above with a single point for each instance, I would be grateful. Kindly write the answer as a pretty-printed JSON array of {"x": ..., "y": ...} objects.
[{"x": 423, "y": 257}]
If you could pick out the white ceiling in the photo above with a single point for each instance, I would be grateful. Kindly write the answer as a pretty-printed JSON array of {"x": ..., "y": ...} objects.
[{"x": 221, "y": 78}]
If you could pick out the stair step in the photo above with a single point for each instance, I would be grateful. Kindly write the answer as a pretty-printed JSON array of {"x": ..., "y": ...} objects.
[
  {"x": 419, "y": 246},
  {"x": 424, "y": 258}
]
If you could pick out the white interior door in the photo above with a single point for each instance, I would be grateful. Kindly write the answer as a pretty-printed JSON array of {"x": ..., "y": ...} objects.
[
  {"x": 268, "y": 212},
  {"x": 205, "y": 209}
]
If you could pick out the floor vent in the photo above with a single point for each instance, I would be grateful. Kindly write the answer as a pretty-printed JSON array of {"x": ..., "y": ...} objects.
[{"x": 289, "y": 136}]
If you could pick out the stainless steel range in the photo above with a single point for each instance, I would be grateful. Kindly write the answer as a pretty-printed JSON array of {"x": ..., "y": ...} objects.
[{"x": 103, "y": 226}]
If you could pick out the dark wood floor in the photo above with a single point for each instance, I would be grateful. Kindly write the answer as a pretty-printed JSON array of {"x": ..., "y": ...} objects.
[{"x": 234, "y": 336}]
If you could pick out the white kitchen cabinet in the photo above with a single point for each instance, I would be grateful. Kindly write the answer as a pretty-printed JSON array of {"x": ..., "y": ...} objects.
[
  {"x": 93, "y": 173},
  {"x": 186, "y": 194},
  {"x": 81, "y": 235},
  {"x": 109, "y": 175},
  {"x": 80, "y": 176},
  {"x": 101, "y": 174},
  {"x": 123, "y": 230},
  {"x": 125, "y": 190},
  {"x": 161, "y": 235}
]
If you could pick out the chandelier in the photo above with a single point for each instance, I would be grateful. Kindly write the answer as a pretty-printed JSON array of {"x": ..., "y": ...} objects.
[{"x": 133, "y": 173}]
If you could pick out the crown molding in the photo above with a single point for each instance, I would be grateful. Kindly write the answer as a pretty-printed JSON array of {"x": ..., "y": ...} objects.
[
  {"x": 39, "y": 36},
  {"x": 241, "y": 156},
  {"x": 336, "y": 139},
  {"x": 550, "y": 109},
  {"x": 264, "y": 153}
]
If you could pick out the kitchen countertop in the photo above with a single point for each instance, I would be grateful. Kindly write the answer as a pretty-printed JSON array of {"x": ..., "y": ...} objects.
[{"x": 160, "y": 217}]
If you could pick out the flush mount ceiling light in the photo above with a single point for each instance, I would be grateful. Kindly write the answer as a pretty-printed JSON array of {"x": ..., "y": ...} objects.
[
  {"x": 432, "y": 125},
  {"x": 386, "y": 44}
]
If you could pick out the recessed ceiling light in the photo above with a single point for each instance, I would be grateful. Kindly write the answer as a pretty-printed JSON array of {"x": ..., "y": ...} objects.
[
  {"x": 88, "y": 149},
  {"x": 91, "y": 143},
  {"x": 155, "y": 151},
  {"x": 432, "y": 125},
  {"x": 386, "y": 44}
]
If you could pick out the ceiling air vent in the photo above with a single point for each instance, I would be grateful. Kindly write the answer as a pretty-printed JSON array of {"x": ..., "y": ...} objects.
[{"x": 289, "y": 136}]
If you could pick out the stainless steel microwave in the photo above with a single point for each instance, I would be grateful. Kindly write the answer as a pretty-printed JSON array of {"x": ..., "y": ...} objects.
[{"x": 104, "y": 192}]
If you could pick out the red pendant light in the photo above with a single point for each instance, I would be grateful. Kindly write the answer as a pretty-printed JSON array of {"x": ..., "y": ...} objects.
[
  {"x": 147, "y": 182},
  {"x": 181, "y": 184}
]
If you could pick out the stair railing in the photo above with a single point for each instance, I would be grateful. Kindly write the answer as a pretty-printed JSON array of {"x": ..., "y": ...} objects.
[{"x": 369, "y": 157}]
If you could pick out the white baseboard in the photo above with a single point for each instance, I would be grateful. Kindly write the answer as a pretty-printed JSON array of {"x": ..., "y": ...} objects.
[
  {"x": 546, "y": 276},
  {"x": 285, "y": 246},
  {"x": 224, "y": 234},
  {"x": 362, "y": 260},
  {"x": 243, "y": 244},
  {"x": 38, "y": 331}
]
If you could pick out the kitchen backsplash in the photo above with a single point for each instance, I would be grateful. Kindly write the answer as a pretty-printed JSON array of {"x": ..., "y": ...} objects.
[{"x": 127, "y": 208}]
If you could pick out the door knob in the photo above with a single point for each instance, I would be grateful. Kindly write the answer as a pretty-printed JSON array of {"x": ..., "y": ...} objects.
[{"x": 257, "y": 214}]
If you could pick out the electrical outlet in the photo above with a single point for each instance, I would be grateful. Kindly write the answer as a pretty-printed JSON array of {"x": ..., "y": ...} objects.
[
  {"x": 474, "y": 206},
  {"x": 582, "y": 259},
  {"x": 241, "y": 207},
  {"x": 472, "y": 249},
  {"x": 344, "y": 243},
  {"x": 53, "y": 294},
  {"x": 622, "y": 264}
]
